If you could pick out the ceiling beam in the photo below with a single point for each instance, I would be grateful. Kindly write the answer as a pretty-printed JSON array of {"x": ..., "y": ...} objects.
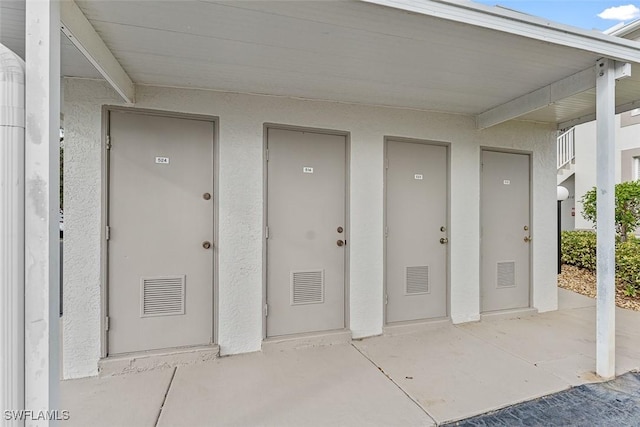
[
  {"x": 548, "y": 95},
  {"x": 82, "y": 34},
  {"x": 543, "y": 97}
]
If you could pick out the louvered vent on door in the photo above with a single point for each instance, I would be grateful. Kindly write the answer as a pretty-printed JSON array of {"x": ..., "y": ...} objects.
[
  {"x": 506, "y": 274},
  {"x": 307, "y": 287},
  {"x": 417, "y": 280},
  {"x": 162, "y": 295}
]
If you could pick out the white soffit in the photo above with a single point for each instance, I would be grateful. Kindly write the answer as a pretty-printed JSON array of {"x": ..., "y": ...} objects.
[
  {"x": 547, "y": 104},
  {"x": 439, "y": 55},
  {"x": 521, "y": 24},
  {"x": 335, "y": 50}
]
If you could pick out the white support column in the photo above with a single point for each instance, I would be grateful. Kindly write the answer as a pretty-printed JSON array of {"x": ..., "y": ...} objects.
[
  {"x": 42, "y": 177},
  {"x": 605, "y": 181},
  {"x": 11, "y": 234}
]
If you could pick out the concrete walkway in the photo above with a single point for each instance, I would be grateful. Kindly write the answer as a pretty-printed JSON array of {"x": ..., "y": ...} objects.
[{"x": 417, "y": 376}]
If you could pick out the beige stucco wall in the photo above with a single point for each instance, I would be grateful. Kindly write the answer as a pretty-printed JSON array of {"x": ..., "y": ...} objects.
[{"x": 240, "y": 244}]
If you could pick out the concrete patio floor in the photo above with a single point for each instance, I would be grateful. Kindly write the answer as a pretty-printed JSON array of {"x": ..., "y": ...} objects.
[{"x": 414, "y": 376}]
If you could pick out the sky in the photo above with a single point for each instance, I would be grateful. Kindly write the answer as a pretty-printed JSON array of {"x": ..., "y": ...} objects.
[{"x": 587, "y": 14}]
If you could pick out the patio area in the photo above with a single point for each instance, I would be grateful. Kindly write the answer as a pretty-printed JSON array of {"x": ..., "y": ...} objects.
[{"x": 414, "y": 375}]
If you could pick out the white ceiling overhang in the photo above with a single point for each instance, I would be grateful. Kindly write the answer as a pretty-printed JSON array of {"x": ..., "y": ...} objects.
[{"x": 456, "y": 57}]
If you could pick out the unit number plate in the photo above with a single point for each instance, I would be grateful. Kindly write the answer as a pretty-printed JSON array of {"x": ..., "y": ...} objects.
[
  {"x": 162, "y": 160},
  {"x": 307, "y": 169}
]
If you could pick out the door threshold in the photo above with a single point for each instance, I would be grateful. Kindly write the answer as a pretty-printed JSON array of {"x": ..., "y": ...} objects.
[
  {"x": 311, "y": 339},
  {"x": 516, "y": 313},
  {"x": 142, "y": 361},
  {"x": 411, "y": 326}
]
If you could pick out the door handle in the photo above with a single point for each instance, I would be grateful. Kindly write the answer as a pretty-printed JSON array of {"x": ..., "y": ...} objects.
[
  {"x": 341, "y": 242},
  {"x": 527, "y": 239},
  {"x": 206, "y": 245},
  {"x": 444, "y": 240}
]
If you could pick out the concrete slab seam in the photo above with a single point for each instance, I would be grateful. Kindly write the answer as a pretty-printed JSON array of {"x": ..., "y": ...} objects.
[
  {"x": 164, "y": 399},
  {"x": 397, "y": 385}
]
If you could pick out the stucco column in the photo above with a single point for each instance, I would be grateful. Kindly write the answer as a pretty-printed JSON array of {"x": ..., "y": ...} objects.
[{"x": 42, "y": 177}]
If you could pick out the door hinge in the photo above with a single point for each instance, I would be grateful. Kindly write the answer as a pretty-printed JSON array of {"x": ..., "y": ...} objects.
[
  {"x": 266, "y": 232},
  {"x": 108, "y": 142},
  {"x": 386, "y": 299},
  {"x": 386, "y": 163},
  {"x": 266, "y": 310},
  {"x": 106, "y": 323},
  {"x": 266, "y": 154},
  {"x": 107, "y": 232},
  {"x": 386, "y": 232}
]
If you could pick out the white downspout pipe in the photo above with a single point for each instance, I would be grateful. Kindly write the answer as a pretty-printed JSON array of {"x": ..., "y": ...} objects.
[{"x": 12, "y": 128}]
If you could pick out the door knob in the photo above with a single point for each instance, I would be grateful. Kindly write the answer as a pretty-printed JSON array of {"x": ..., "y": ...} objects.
[
  {"x": 206, "y": 196},
  {"x": 340, "y": 242},
  {"x": 340, "y": 229},
  {"x": 206, "y": 245},
  {"x": 444, "y": 240},
  {"x": 527, "y": 239}
]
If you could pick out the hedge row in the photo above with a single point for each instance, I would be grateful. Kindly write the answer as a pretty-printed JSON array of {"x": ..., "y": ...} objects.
[{"x": 579, "y": 249}]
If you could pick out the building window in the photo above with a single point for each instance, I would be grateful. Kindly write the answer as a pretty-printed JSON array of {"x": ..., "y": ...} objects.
[{"x": 636, "y": 168}]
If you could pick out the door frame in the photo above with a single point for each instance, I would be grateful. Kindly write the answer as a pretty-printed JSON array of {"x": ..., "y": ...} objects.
[
  {"x": 447, "y": 146},
  {"x": 265, "y": 218},
  {"x": 530, "y": 155},
  {"x": 105, "y": 200}
]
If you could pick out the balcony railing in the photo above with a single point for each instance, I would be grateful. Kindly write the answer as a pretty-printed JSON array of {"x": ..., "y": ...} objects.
[{"x": 566, "y": 148}]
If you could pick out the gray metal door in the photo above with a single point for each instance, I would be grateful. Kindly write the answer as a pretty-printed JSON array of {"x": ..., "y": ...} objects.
[
  {"x": 416, "y": 220},
  {"x": 306, "y": 231},
  {"x": 160, "y": 216},
  {"x": 505, "y": 231}
]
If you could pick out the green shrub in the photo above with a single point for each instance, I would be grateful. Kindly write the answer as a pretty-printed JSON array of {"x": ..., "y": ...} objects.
[
  {"x": 627, "y": 208},
  {"x": 628, "y": 265},
  {"x": 579, "y": 248}
]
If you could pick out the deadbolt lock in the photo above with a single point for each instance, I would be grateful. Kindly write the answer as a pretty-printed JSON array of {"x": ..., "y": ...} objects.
[
  {"x": 340, "y": 229},
  {"x": 526, "y": 228},
  {"x": 340, "y": 242},
  {"x": 527, "y": 239},
  {"x": 443, "y": 228},
  {"x": 444, "y": 240},
  {"x": 206, "y": 196},
  {"x": 206, "y": 245}
]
